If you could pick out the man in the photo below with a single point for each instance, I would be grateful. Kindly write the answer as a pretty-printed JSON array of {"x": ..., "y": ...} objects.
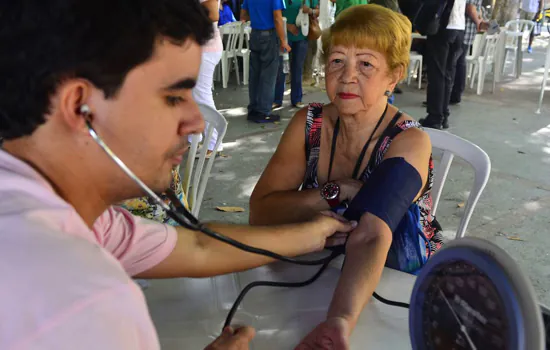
[
  {"x": 528, "y": 10},
  {"x": 442, "y": 52},
  {"x": 267, "y": 40},
  {"x": 66, "y": 254},
  {"x": 474, "y": 24},
  {"x": 341, "y": 5}
]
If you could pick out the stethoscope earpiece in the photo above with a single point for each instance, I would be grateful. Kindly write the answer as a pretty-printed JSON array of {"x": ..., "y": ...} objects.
[{"x": 85, "y": 109}]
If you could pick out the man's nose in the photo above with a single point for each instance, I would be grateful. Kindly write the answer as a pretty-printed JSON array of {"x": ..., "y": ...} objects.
[{"x": 193, "y": 120}]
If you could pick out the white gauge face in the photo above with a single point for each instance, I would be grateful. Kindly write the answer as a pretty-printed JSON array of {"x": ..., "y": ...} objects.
[{"x": 462, "y": 309}]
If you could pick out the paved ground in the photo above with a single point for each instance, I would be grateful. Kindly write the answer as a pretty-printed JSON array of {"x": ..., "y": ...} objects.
[{"x": 513, "y": 212}]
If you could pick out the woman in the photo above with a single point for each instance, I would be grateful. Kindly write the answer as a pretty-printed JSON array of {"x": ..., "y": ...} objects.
[
  {"x": 299, "y": 46},
  {"x": 211, "y": 56},
  {"x": 366, "y": 54}
]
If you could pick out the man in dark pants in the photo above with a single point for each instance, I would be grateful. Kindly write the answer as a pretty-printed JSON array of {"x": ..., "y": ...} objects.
[
  {"x": 267, "y": 40},
  {"x": 442, "y": 52},
  {"x": 474, "y": 24}
]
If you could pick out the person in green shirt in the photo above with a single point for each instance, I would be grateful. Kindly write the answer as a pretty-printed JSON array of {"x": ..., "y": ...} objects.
[
  {"x": 341, "y": 5},
  {"x": 299, "y": 46}
]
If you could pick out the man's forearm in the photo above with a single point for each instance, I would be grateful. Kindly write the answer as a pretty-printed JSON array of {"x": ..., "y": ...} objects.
[
  {"x": 471, "y": 11},
  {"x": 219, "y": 258},
  {"x": 213, "y": 10},
  {"x": 360, "y": 276},
  {"x": 280, "y": 28},
  {"x": 286, "y": 207}
]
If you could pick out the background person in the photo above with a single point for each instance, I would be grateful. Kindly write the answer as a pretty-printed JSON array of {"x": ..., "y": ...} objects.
[
  {"x": 529, "y": 9},
  {"x": 267, "y": 40},
  {"x": 299, "y": 46}
]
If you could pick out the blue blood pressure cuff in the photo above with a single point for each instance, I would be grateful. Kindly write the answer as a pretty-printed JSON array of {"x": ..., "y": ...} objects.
[{"x": 388, "y": 192}]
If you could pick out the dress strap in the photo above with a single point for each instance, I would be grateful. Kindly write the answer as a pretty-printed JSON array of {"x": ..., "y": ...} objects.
[
  {"x": 387, "y": 132},
  {"x": 314, "y": 122}
]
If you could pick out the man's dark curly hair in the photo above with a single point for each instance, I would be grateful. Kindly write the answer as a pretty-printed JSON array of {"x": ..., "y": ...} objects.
[{"x": 43, "y": 42}]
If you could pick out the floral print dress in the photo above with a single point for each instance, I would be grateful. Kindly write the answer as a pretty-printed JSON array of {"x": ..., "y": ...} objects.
[{"x": 147, "y": 208}]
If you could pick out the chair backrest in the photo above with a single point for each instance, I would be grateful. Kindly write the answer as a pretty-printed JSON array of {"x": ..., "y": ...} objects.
[
  {"x": 452, "y": 145},
  {"x": 520, "y": 25},
  {"x": 489, "y": 51},
  {"x": 518, "y": 29},
  {"x": 195, "y": 178},
  {"x": 242, "y": 41},
  {"x": 478, "y": 45},
  {"x": 233, "y": 30}
]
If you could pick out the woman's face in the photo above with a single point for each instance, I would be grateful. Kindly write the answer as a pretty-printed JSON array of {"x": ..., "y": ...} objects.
[{"x": 357, "y": 79}]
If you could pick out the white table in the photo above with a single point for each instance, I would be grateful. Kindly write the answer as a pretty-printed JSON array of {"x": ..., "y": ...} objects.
[{"x": 189, "y": 313}]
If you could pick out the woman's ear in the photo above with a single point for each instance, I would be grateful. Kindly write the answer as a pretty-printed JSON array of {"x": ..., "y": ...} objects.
[{"x": 396, "y": 76}]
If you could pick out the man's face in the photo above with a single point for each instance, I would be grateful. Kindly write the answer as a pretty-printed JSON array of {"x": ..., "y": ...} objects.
[{"x": 147, "y": 123}]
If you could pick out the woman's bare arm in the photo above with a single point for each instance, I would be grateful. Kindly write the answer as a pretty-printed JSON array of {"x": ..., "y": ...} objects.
[
  {"x": 369, "y": 243},
  {"x": 213, "y": 9},
  {"x": 276, "y": 199}
]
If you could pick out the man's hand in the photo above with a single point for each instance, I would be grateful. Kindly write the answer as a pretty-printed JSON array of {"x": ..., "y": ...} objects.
[
  {"x": 349, "y": 189},
  {"x": 293, "y": 28},
  {"x": 330, "y": 335},
  {"x": 285, "y": 47},
  {"x": 482, "y": 26},
  {"x": 230, "y": 339},
  {"x": 330, "y": 229}
]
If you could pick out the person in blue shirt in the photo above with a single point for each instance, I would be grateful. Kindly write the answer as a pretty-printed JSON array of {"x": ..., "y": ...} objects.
[
  {"x": 299, "y": 45},
  {"x": 226, "y": 14},
  {"x": 267, "y": 40}
]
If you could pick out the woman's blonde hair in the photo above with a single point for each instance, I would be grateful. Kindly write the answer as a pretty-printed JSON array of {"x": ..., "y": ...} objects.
[{"x": 372, "y": 27}]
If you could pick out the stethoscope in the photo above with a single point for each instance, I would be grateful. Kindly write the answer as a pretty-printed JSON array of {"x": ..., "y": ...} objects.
[{"x": 177, "y": 211}]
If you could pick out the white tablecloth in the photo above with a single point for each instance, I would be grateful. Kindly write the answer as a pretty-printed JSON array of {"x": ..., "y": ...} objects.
[{"x": 189, "y": 313}]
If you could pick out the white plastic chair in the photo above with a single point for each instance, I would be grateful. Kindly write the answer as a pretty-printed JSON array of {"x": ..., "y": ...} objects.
[
  {"x": 415, "y": 61},
  {"x": 485, "y": 62},
  {"x": 243, "y": 50},
  {"x": 473, "y": 59},
  {"x": 233, "y": 31},
  {"x": 452, "y": 145},
  {"x": 544, "y": 78},
  {"x": 516, "y": 31},
  {"x": 195, "y": 178}
]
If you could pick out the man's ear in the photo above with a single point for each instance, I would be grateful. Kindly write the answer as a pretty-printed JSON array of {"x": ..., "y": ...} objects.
[{"x": 72, "y": 95}]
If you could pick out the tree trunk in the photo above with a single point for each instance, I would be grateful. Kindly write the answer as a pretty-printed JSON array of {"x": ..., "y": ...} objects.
[{"x": 505, "y": 10}]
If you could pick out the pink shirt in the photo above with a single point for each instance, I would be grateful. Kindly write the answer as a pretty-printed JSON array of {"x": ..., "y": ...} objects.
[
  {"x": 215, "y": 44},
  {"x": 64, "y": 286}
]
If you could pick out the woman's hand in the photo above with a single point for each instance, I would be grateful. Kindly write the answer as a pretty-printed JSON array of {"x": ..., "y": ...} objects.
[
  {"x": 293, "y": 29},
  {"x": 349, "y": 189},
  {"x": 307, "y": 10},
  {"x": 330, "y": 335}
]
